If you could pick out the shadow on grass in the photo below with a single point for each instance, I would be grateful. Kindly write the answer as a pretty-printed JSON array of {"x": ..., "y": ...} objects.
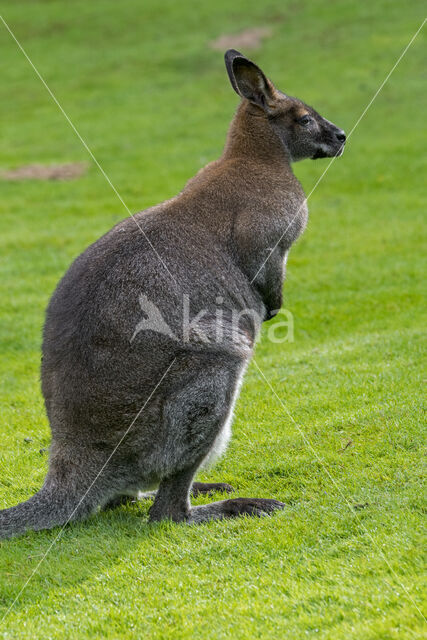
[{"x": 63, "y": 557}]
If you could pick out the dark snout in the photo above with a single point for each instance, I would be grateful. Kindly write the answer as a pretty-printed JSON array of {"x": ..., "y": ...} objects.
[
  {"x": 336, "y": 138},
  {"x": 332, "y": 141},
  {"x": 341, "y": 137}
]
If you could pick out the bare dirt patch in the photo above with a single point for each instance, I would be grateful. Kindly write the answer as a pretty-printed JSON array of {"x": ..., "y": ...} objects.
[
  {"x": 248, "y": 39},
  {"x": 68, "y": 171}
]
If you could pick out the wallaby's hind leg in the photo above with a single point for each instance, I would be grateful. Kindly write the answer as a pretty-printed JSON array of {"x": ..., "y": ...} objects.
[
  {"x": 194, "y": 417},
  {"x": 172, "y": 498},
  {"x": 172, "y": 502}
]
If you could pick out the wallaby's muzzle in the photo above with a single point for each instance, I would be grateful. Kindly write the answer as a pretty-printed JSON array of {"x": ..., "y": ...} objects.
[{"x": 331, "y": 141}]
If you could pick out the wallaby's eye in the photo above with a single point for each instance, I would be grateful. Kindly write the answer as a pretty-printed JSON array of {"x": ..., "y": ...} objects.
[{"x": 304, "y": 120}]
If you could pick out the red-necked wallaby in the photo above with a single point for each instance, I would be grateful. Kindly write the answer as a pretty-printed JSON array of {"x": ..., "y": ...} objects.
[{"x": 135, "y": 399}]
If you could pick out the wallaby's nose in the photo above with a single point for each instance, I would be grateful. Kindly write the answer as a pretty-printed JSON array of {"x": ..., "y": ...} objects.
[{"x": 340, "y": 135}]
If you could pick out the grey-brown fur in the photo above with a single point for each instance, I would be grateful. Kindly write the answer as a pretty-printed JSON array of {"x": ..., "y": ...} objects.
[{"x": 98, "y": 372}]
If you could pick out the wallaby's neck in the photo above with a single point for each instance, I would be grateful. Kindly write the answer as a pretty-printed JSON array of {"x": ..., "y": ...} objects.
[
  {"x": 253, "y": 146},
  {"x": 251, "y": 136}
]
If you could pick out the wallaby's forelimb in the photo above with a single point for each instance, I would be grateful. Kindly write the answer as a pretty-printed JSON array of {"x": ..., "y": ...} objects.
[{"x": 209, "y": 488}]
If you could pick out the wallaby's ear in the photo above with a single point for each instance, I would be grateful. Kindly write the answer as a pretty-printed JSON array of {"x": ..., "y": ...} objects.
[{"x": 247, "y": 79}]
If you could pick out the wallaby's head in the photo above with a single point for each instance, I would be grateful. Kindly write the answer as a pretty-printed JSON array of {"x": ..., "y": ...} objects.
[{"x": 302, "y": 131}]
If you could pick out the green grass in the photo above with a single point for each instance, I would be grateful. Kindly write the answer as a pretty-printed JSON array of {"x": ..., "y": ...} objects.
[{"x": 153, "y": 102}]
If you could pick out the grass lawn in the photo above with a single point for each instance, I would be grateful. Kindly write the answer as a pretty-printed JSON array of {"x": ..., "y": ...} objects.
[{"x": 153, "y": 102}]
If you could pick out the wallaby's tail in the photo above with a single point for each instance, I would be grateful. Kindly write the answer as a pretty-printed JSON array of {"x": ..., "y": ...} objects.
[{"x": 48, "y": 508}]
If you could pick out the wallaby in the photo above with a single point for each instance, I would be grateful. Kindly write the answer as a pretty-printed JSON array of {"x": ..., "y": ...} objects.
[{"x": 134, "y": 400}]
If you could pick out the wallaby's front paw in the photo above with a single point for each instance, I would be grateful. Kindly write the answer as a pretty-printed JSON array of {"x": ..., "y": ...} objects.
[{"x": 209, "y": 488}]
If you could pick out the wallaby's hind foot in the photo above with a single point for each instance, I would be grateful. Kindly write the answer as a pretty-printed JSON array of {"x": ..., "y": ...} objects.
[
  {"x": 209, "y": 488},
  {"x": 172, "y": 503},
  {"x": 233, "y": 508}
]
